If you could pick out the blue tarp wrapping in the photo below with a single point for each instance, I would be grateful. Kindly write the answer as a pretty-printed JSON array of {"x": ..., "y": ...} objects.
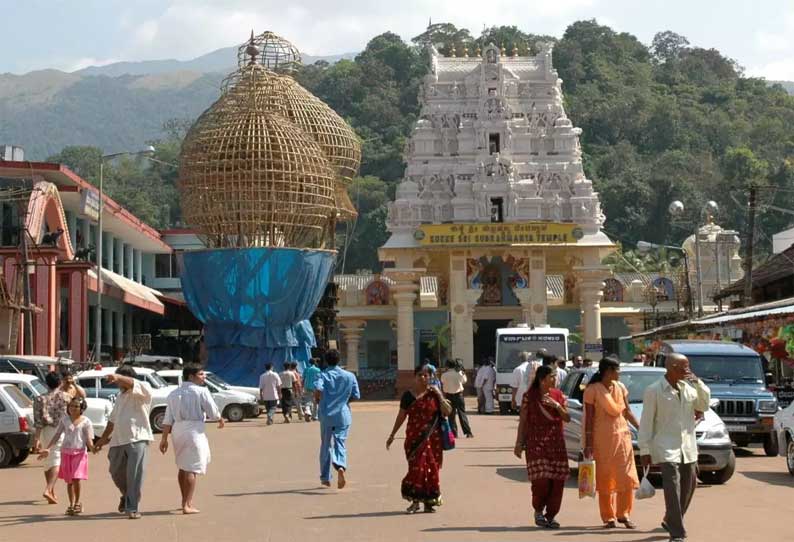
[{"x": 255, "y": 304}]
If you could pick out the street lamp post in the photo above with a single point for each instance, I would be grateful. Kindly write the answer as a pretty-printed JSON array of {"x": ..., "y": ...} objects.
[{"x": 98, "y": 323}]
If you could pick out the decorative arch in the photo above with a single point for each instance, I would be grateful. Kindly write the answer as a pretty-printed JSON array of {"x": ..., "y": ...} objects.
[
  {"x": 613, "y": 291},
  {"x": 377, "y": 293},
  {"x": 46, "y": 215},
  {"x": 665, "y": 289}
]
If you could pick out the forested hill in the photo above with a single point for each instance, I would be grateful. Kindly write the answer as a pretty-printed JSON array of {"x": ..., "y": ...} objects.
[{"x": 660, "y": 121}]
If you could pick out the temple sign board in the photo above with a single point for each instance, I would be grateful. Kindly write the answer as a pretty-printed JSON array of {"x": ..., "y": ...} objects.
[{"x": 517, "y": 233}]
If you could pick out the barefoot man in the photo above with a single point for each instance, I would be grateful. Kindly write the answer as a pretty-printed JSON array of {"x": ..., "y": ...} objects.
[{"x": 187, "y": 409}]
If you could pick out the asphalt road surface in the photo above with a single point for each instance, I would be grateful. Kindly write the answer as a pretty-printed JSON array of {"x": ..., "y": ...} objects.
[{"x": 263, "y": 484}]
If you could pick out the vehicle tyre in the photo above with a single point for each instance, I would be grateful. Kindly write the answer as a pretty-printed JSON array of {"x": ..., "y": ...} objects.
[
  {"x": 771, "y": 447},
  {"x": 20, "y": 457},
  {"x": 234, "y": 413},
  {"x": 504, "y": 408},
  {"x": 156, "y": 419},
  {"x": 721, "y": 476},
  {"x": 6, "y": 454},
  {"x": 790, "y": 456}
]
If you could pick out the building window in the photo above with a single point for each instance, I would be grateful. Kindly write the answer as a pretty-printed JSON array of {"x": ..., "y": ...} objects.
[
  {"x": 497, "y": 210},
  {"x": 613, "y": 291},
  {"x": 162, "y": 266},
  {"x": 493, "y": 143}
]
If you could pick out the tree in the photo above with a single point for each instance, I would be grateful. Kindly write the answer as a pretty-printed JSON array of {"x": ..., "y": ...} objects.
[
  {"x": 510, "y": 37},
  {"x": 667, "y": 46},
  {"x": 83, "y": 160},
  {"x": 444, "y": 36}
]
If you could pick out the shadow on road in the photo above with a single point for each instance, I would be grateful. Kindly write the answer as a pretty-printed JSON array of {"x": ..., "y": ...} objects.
[
  {"x": 48, "y": 518},
  {"x": 306, "y": 491},
  {"x": 481, "y": 529},
  {"x": 774, "y": 478},
  {"x": 29, "y": 503},
  {"x": 360, "y": 516}
]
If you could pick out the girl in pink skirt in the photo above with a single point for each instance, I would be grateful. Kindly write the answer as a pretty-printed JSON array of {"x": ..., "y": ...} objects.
[{"x": 78, "y": 434}]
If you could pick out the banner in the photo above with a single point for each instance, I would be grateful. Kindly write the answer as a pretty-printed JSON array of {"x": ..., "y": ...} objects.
[{"x": 521, "y": 233}]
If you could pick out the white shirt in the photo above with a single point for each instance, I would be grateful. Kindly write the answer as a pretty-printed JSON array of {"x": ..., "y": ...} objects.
[
  {"x": 667, "y": 427},
  {"x": 561, "y": 375},
  {"x": 269, "y": 385},
  {"x": 287, "y": 380},
  {"x": 479, "y": 380},
  {"x": 452, "y": 381},
  {"x": 75, "y": 436},
  {"x": 130, "y": 416},
  {"x": 192, "y": 403}
]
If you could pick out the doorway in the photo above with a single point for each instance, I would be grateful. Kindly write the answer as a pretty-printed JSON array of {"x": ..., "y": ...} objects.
[{"x": 485, "y": 338}]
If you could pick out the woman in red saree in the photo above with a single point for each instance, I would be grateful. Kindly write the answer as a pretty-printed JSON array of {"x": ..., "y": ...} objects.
[
  {"x": 423, "y": 450},
  {"x": 540, "y": 437}
]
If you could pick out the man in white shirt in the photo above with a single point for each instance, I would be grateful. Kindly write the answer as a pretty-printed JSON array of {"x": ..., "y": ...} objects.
[
  {"x": 128, "y": 433},
  {"x": 670, "y": 411},
  {"x": 287, "y": 391},
  {"x": 523, "y": 375},
  {"x": 187, "y": 409},
  {"x": 489, "y": 385},
  {"x": 561, "y": 372},
  {"x": 453, "y": 381},
  {"x": 270, "y": 391}
]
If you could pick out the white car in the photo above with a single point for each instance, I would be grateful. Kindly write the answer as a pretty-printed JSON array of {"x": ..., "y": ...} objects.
[
  {"x": 16, "y": 425},
  {"x": 233, "y": 404},
  {"x": 154, "y": 361},
  {"x": 784, "y": 426},
  {"x": 96, "y": 384},
  {"x": 98, "y": 410}
]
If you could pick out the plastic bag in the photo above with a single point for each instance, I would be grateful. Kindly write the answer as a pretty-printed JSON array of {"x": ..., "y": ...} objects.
[
  {"x": 447, "y": 436},
  {"x": 587, "y": 478},
  {"x": 646, "y": 489}
]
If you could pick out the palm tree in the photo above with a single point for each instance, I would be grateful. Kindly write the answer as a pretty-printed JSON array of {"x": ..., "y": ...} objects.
[{"x": 440, "y": 342}]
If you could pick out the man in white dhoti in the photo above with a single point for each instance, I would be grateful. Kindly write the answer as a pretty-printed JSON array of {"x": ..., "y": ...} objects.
[{"x": 188, "y": 408}]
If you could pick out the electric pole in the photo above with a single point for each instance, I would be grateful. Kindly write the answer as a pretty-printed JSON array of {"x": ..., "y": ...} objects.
[{"x": 747, "y": 298}]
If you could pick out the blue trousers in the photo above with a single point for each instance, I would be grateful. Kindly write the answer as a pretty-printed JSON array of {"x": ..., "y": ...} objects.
[{"x": 332, "y": 449}]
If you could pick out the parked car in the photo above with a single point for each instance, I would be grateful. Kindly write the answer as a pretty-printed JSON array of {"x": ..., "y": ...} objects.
[
  {"x": 38, "y": 366},
  {"x": 16, "y": 425},
  {"x": 716, "y": 460},
  {"x": 96, "y": 384},
  {"x": 98, "y": 410},
  {"x": 154, "y": 361},
  {"x": 735, "y": 375},
  {"x": 234, "y": 405},
  {"x": 784, "y": 427}
]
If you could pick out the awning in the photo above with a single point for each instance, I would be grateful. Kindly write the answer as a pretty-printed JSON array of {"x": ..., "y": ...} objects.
[
  {"x": 127, "y": 290},
  {"x": 759, "y": 312}
]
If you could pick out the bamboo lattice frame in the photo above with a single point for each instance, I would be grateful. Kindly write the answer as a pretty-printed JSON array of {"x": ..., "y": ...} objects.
[
  {"x": 250, "y": 177},
  {"x": 274, "y": 53}
]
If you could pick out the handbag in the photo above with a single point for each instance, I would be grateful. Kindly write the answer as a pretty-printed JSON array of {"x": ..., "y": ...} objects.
[
  {"x": 447, "y": 436},
  {"x": 587, "y": 478},
  {"x": 646, "y": 489}
]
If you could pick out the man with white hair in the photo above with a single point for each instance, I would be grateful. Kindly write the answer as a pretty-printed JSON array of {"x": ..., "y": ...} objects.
[
  {"x": 671, "y": 408},
  {"x": 523, "y": 375}
]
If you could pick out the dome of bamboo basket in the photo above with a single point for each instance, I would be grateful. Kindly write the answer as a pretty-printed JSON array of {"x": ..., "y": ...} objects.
[
  {"x": 250, "y": 177},
  {"x": 273, "y": 52}
]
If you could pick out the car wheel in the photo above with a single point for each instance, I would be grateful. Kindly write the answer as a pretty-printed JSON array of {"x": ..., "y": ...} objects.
[
  {"x": 20, "y": 457},
  {"x": 234, "y": 413},
  {"x": 790, "y": 456},
  {"x": 721, "y": 476},
  {"x": 156, "y": 419},
  {"x": 6, "y": 454},
  {"x": 771, "y": 447}
]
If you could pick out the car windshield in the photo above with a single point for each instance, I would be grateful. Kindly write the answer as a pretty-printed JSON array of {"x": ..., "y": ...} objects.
[
  {"x": 18, "y": 397},
  {"x": 509, "y": 349},
  {"x": 732, "y": 369},
  {"x": 40, "y": 388},
  {"x": 218, "y": 381},
  {"x": 156, "y": 380},
  {"x": 636, "y": 382}
]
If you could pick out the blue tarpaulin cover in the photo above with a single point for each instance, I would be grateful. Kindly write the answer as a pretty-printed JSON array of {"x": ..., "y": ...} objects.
[{"x": 255, "y": 304}]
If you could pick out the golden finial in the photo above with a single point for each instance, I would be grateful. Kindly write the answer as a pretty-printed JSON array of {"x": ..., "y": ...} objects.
[
  {"x": 515, "y": 50},
  {"x": 502, "y": 50},
  {"x": 478, "y": 51},
  {"x": 252, "y": 50},
  {"x": 465, "y": 51}
]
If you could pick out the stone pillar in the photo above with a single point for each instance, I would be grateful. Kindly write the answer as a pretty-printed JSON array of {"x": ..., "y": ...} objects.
[
  {"x": 119, "y": 257},
  {"x": 71, "y": 222},
  {"x": 85, "y": 232},
  {"x": 128, "y": 261},
  {"x": 77, "y": 273},
  {"x": 138, "y": 267},
  {"x": 46, "y": 296},
  {"x": 351, "y": 331},
  {"x": 591, "y": 290},
  {"x": 118, "y": 331},
  {"x": 537, "y": 287},
  {"x": 128, "y": 333},
  {"x": 461, "y": 311},
  {"x": 405, "y": 293},
  {"x": 108, "y": 251}
]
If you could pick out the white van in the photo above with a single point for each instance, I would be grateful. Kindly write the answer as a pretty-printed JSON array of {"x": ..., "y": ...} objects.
[
  {"x": 511, "y": 341},
  {"x": 16, "y": 425},
  {"x": 234, "y": 405},
  {"x": 96, "y": 384},
  {"x": 98, "y": 410}
]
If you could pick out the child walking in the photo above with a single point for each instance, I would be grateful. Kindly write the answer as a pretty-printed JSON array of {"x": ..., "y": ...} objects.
[{"x": 78, "y": 434}]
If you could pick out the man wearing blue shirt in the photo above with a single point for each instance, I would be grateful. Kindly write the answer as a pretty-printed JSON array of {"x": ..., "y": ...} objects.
[
  {"x": 334, "y": 389},
  {"x": 310, "y": 376}
]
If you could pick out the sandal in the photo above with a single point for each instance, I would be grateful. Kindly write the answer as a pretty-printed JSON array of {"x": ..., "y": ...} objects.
[
  {"x": 610, "y": 524},
  {"x": 414, "y": 508},
  {"x": 540, "y": 520},
  {"x": 627, "y": 523},
  {"x": 551, "y": 524},
  {"x": 70, "y": 511},
  {"x": 78, "y": 508},
  {"x": 429, "y": 509}
]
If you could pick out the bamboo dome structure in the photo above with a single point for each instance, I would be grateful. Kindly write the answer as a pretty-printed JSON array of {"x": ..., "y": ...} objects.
[{"x": 268, "y": 163}]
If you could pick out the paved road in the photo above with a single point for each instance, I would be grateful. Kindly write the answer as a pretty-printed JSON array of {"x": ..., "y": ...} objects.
[{"x": 263, "y": 485}]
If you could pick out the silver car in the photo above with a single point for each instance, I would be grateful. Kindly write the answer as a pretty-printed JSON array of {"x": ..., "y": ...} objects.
[{"x": 716, "y": 460}]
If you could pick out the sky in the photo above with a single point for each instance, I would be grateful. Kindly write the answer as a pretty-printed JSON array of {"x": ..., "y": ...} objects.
[{"x": 73, "y": 34}]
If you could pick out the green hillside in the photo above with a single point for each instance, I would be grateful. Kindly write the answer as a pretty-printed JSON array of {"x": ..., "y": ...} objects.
[{"x": 660, "y": 122}]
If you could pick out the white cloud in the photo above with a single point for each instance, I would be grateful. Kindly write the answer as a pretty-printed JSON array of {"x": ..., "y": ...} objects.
[
  {"x": 778, "y": 46},
  {"x": 779, "y": 70}
]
